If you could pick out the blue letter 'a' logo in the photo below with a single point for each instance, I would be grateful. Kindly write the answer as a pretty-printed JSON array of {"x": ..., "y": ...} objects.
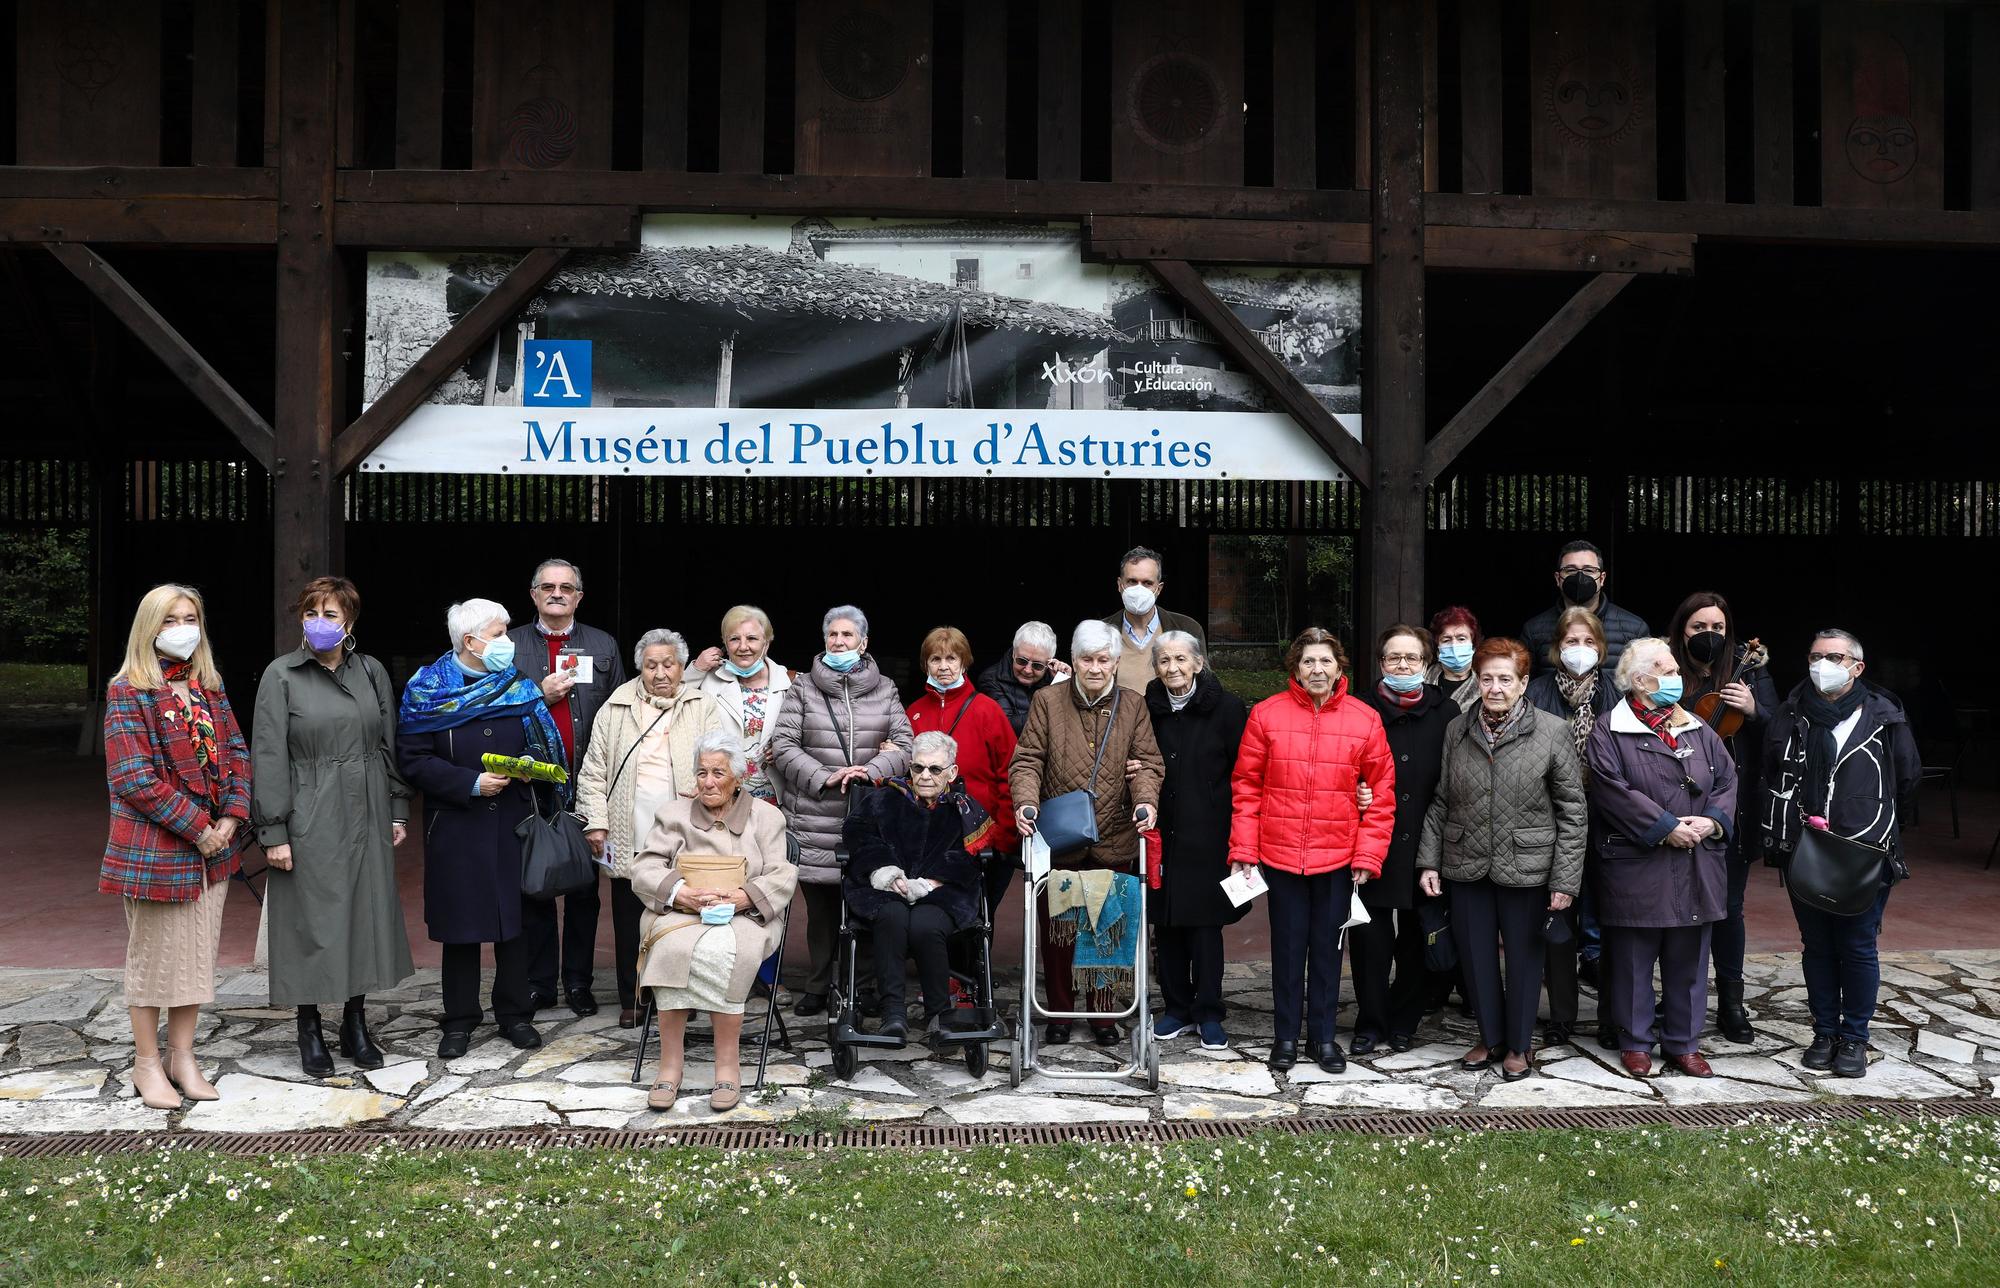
[{"x": 557, "y": 375}]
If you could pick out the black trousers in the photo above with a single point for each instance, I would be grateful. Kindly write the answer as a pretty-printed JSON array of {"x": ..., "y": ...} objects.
[
  {"x": 901, "y": 931},
  {"x": 1190, "y": 959},
  {"x": 823, "y": 940},
  {"x": 460, "y": 969},
  {"x": 1306, "y": 913},
  {"x": 1387, "y": 961},
  {"x": 576, "y": 946},
  {"x": 1483, "y": 916},
  {"x": 1559, "y": 971},
  {"x": 998, "y": 876},
  {"x": 625, "y": 913}
]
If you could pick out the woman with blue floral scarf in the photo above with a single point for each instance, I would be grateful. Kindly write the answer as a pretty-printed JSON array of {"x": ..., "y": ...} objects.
[{"x": 470, "y": 702}]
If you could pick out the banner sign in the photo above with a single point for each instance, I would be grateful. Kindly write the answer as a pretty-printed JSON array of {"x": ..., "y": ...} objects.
[{"x": 767, "y": 346}]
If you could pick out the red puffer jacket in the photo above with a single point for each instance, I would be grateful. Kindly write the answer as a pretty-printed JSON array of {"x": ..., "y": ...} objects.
[{"x": 1294, "y": 785}]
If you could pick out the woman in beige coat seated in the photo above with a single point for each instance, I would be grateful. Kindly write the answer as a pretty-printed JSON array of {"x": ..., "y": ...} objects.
[{"x": 700, "y": 946}]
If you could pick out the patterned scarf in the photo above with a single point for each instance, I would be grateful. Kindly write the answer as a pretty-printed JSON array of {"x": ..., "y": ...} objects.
[
  {"x": 1403, "y": 700},
  {"x": 1579, "y": 693},
  {"x": 443, "y": 696},
  {"x": 200, "y": 725},
  {"x": 1496, "y": 730},
  {"x": 975, "y": 825},
  {"x": 1655, "y": 718}
]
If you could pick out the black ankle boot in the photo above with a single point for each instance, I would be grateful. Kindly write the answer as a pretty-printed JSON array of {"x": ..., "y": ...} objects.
[
  {"x": 355, "y": 1042},
  {"x": 1731, "y": 1020},
  {"x": 313, "y": 1057}
]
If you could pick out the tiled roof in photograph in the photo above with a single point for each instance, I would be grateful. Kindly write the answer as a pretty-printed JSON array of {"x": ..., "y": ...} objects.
[{"x": 750, "y": 277}]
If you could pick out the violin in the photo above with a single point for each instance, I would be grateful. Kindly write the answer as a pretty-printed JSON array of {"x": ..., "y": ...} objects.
[{"x": 1719, "y": 715}]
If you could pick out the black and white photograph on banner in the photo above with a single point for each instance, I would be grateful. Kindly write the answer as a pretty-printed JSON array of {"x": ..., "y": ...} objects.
[{"x": 945, "y": 326}]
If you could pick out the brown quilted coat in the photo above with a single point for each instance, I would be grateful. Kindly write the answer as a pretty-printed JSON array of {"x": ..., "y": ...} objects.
[{"x": 1054, "y": 756}]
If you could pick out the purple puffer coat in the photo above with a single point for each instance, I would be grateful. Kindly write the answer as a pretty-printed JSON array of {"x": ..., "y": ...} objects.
[{"x": 1640, "y": 789}]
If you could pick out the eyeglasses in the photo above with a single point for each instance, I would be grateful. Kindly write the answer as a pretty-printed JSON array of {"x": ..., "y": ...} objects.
[
  {"x": 1592, "y": 569},
  {"x": 550, "y": 588},
  {"x": 1029, "y": 664},
  {"x": 929, "y": 771},
  {"x": 1411, "y": 659},
  {"x": 1838, "y": 659}
]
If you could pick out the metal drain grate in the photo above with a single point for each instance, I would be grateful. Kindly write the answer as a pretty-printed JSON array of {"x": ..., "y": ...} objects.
[{"x": 949, "y": 1137}]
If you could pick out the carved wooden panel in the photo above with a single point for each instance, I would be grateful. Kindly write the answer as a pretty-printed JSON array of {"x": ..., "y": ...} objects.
[
  {"x": 541, "y": 90},
  {"x": 864, "y": 87},
  {"x": 1881, "y": 94},
  {"x": 88, "y": 83},
  {"x": 1177, "y": 92},
  {"x": 1595, "y": 106}
]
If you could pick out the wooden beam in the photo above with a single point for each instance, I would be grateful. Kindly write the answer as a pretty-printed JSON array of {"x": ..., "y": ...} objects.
[
  {"x": 1557, "y": 250},
  {"x": 1241, "y": 344},
  {"x": 1393, "y": 521},
  {"x": 1507, "y": 383},
  {"x": 305, "y": 523},
  {"x": 123, "y": 301},
  {"x": 138, "y": 182},
  {"x": 466, "y": 336},
  {"x": 202, "y": 221},
  {"x": 1228, "y": 241},
  {"x": 378, "y": 225},
  {"x": 1811, "y": 225}
]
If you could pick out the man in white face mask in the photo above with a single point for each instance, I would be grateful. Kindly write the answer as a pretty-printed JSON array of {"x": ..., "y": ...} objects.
[{"x": 1140, "y": 617}]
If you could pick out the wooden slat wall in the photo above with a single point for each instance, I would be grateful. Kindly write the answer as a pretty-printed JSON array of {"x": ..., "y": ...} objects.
[
  {"x": 1771, "y": 92},
  {"x": 864, "y": 87},
  {"x": 1480, "y": 94},
  {"x": 88, "y": 82},
  {"x": 1702, "y": 82},
  {"x": 1294, "y": 97},
  {"x": 1881, "y": 106},
  {"x": 740, "y": 145},
  {"x": 420, "y": 84},
  {"x": 985, "y": 87},
  {"x": 665, "y": 129},
  {"x": 213, "y": 130},
  {"x": 1059, "y": 76},
  {"x": 1595, "y": 99},
  {"x": 1177, "y": 92},
  {"x": 541, "y": 91},
  {"x": 1986, "y": 109}
]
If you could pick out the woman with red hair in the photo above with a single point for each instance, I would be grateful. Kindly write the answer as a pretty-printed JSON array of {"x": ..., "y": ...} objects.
[
  {"x": 1456, "y": 632},
  {"x": 1505, "y": 833}
]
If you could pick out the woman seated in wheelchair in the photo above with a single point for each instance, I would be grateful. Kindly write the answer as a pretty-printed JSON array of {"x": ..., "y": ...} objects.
[
  {"x": 715, "y": 881},
  {"x": 913, "y": 876}
]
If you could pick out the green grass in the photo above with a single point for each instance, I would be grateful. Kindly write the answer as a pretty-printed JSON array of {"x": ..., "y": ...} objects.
[
  {"x": 24, "y": 683},
  {"x": 1253, "y": 686},
  {"x": 1869, "y": 1202}
]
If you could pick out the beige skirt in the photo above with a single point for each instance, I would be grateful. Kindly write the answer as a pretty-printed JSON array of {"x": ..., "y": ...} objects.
[
  {"x": 170, "y": 949},
  {"x": 708, "y": 977}
]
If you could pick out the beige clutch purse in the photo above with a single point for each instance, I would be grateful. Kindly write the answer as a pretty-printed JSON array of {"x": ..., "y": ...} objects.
[{"x": 714, "y": 871}]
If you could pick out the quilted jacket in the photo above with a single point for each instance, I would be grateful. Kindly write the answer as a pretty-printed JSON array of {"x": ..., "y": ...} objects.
[
  {"x": 1293, "y": 789},
  {"x": 833, "y": 721},
  {"x": 1515, "y": 812},
  {"x": 1055, "y": 754},
  {"x": 159, "y": 795}
]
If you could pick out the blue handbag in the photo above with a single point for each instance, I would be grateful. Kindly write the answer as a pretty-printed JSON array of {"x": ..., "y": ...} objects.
[{"x": 1069, "y": 822}]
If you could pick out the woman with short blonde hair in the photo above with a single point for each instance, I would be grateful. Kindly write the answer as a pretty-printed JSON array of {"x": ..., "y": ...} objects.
[
  {"x": 179, "y": 779},
  {"x": 748, "y": 688}
]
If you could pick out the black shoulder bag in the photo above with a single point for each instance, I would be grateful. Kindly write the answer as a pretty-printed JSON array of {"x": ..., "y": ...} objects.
[{"x": 1837, "y": 874}]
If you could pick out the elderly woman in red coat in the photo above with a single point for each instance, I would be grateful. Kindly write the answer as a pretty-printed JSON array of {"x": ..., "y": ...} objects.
[
  {"x": 179, "y": 776},
  {"x": 1304, "y": 752}
]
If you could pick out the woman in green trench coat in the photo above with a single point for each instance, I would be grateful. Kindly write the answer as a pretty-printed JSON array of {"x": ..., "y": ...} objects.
[{"x": 330, "y": 809}]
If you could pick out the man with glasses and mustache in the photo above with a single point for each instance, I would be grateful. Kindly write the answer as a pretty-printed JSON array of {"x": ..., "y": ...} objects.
[
  {"x": 1030, "y": 664},
  {"x": 577, "y": 666}
]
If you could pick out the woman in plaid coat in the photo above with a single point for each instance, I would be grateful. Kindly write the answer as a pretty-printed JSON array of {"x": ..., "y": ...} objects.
[{"x": 179, "y": 779}]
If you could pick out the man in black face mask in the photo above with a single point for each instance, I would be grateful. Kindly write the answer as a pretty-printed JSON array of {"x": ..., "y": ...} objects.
[{"x": 1580, "y": 578}]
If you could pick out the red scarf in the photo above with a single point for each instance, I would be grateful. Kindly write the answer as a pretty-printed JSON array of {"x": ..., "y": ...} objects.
[
  {"x": 1402, "y": 700},
  {"x": 200, "y": 723},
  {"x": 1654, "y": 718}
]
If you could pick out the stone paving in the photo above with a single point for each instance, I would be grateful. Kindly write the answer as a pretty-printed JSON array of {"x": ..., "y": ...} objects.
[{"x": 66, "y": 1048}]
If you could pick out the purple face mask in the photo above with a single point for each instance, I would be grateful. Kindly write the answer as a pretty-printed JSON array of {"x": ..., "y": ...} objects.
[{"x": 323, "y": 634}]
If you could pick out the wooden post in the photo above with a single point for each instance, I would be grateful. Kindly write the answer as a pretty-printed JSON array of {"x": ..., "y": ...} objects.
[
  {"x": 308, "y": 397},
  {"x": 1392, "y": 546}
]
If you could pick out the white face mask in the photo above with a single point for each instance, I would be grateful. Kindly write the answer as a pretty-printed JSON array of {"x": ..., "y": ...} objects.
[
  {"x": 1138, "y": 600},
  {"x": 1579, "y": 659},
  {"x": 1829, "y": 677},
  {"x": 178, "y": 642}
]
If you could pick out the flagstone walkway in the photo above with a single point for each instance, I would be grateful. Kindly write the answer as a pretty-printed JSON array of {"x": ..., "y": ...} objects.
[{"x": 66, "y": 1048}]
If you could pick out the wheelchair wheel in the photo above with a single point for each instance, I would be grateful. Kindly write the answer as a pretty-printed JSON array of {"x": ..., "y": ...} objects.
[
  {"x": 975, "y": 1059},
  {"x": 1014, "y": 1059},
  {"x": 845, "y": 1060},
  {"x": 1152, "y": 1066}
]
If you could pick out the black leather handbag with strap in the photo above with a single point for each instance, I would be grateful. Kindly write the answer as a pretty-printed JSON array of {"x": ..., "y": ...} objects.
[
  {"x": 1837, "y": 874},
  {"x": 555, "y": 856}
]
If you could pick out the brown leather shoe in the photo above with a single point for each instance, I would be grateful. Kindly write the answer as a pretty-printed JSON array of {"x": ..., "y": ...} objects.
[
  {"x": 628, "y": 1018},
  {"x": 1480, "y": 1057},
  {"x": 1515, "y": 1067},
  {"x": 1637, "y": 1063},
  {"x": 1692, "y": 1063}
]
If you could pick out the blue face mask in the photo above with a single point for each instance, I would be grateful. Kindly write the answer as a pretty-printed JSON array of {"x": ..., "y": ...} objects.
[
  {"x": 718, "y": 914},
  {"x": 1669, "y": 691},
  {"x": 499, "y": 654},
  {"x": 744, "y": 672},
  {"x": 942, "y": 687},
  {"x": 1404, "y": 683},
  {"x": 1455, "y": 656},
  {"x": 843, "y": 661}
]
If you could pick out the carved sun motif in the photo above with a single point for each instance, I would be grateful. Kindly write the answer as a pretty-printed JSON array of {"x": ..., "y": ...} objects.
[
  {"x": 88, "y": 55},
  {"x": 1592, "y": 98}
]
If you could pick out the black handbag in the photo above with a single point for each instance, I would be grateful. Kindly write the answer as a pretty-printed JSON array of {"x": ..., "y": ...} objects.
[
  {"x": 1434, "y": 916},
  {"x": 555, "y": 857},
  {"x": 1837, "y": 874},
  {"x": 1069, "y": 822}
]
